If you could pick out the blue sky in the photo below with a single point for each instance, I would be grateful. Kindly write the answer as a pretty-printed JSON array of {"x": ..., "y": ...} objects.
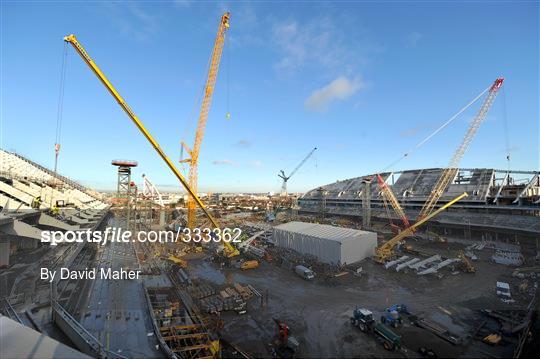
[{"x": 362, "y": 81}]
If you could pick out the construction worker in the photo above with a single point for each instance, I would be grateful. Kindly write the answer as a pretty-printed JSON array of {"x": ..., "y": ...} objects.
[
  {"x": 36, "y": 203},
  {"x": 55, "y": 211}
]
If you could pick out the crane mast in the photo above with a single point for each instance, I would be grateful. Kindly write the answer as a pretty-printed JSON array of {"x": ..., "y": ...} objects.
[
  {"x": 450, "y": 172},
  {"x": 285, "y": 178},
  {"x": 389, "y": 196},
  {"x": 203, "y": 116}
]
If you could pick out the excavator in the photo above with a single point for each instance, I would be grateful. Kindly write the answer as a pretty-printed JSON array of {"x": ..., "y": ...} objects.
[
  {"x": 286, "y": 345},
  {"x": 467, "y": 265}
]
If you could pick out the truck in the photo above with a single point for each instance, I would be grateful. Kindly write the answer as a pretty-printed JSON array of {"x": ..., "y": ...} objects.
[
  {"x": 304, "y": 272},
  {"x": 363, "y": 319},
  {"x": 251, "y": 264},
  {"x": 176, "y": 260},
  {"x": 392, "y": 315},
  {"x": 244, "y": 264}
]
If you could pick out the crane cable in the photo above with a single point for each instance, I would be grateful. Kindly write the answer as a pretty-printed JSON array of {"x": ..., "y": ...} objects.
[
  {"x": 505, "y": 128},
  {"x": 59, "y": 113},
  {"x": 60, "y": 108},
  {"x": 439, "y": 129}
]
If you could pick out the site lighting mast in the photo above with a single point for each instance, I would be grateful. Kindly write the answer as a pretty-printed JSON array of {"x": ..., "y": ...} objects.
[
  {"x": 285, "y": 178},
  {"x": 124, "y": 192}
]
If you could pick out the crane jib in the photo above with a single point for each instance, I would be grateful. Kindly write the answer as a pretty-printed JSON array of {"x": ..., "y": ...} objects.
[{"x": 84, "y": 55}]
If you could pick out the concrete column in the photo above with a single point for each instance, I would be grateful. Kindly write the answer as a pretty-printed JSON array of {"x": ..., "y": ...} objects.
[
  {"x": 162, "y": 217},
  {"x": 4, "y": 252}
]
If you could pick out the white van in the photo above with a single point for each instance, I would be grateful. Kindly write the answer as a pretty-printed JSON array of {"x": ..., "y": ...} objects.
[{"x": 304, "y": 272}]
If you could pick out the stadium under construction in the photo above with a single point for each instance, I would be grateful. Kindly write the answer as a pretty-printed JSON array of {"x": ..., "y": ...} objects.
[
  {"x": 502, "y": 205},
  {"x": 421, "y": 263}
]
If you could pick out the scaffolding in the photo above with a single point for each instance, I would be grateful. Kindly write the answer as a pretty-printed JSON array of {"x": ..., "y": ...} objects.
[{"x": 124, "y": 188}]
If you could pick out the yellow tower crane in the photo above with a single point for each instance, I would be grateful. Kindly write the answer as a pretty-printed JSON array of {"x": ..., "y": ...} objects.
[
  {"x": 229, "y": 250},
  {"x": 203, "y": 117},
  {"x": 450, "y": 172}
]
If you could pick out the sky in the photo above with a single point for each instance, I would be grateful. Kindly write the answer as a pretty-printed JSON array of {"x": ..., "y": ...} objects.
[{"x": 362, "y": 81}]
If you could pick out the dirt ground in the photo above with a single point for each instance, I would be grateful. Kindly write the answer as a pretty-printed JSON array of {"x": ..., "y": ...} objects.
[{"x": 318, "y": 312}]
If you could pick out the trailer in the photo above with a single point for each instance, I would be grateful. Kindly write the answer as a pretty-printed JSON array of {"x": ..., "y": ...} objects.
[{"x": 363, "y": 319}]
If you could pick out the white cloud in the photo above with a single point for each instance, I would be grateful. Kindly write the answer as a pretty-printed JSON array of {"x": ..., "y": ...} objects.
[
  {"x": 224, "y": 162},
  {"x": 339, "y": 89},
  {"x": 256, "y": 163},
  {"x": 321, "y": 42},
  {"x": 410, "y": 132},
  {"x": 243, "y": 144},
  {"x": 132, "y": 19},
  {"x": 413, "y": 38},
  {"x": 414, "y": 130},
  {"x": 182, "y": 3}
]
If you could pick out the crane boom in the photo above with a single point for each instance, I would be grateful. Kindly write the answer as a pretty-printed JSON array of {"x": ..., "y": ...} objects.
[
  {"x": 450, "y": 172},
  {"x": 285, "y": 178},
  {"x": 390, "y": 197},
  {"x": 123, "y": 104},
  {"x": 203, "y": 116},
  {"x": 385, "y": 251}
]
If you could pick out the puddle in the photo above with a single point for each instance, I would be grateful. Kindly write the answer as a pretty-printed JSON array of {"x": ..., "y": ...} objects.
[
  {"x": 205, "y": 270},
  {"x": 448, "y": 322}
]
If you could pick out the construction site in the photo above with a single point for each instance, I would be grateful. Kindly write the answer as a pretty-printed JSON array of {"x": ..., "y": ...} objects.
[{"x": 427, "y": 262}]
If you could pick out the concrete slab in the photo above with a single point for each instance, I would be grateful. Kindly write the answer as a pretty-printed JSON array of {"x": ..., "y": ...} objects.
[{"x": 19, "y": 341}]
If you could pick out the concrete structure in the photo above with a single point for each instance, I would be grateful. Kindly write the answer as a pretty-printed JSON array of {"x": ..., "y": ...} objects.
[
  {"x": 502, "y": 206},
  {"x": 4, "y": 252},
  {"x": 63, "y": 203},
  {"x": 22, "y": 180},
  {"x": 333, "y": 245},
  {"x": 19, "y": 341}
]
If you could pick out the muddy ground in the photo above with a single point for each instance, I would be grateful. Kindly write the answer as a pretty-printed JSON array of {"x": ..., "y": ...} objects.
[{"x": 318, "y": 312}]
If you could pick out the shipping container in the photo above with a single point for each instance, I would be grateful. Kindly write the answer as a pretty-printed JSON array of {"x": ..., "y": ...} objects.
[{"x": 329, "y": 244}]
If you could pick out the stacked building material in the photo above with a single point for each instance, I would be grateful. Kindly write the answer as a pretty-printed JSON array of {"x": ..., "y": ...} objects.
[
  {"x": 218, "y": 303},
  {"x": 199, "y": 291},
  {"x": 244, "y": 292}
]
